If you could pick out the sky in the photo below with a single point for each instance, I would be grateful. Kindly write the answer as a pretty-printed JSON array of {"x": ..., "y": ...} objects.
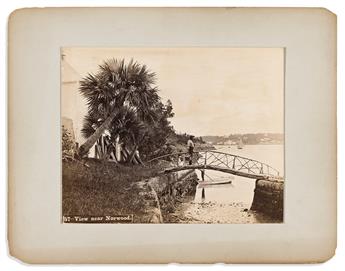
[{"x": 214, "y": 91}]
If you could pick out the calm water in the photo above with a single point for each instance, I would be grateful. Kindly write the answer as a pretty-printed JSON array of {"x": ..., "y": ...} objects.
[{"x": 241, "y": 190}]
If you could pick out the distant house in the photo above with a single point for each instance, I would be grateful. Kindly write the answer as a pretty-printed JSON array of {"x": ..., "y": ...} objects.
[{"x": 229, "y": 142}]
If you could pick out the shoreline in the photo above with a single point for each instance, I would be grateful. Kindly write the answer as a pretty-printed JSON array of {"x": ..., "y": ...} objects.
[{"x": 216, "y": 213}]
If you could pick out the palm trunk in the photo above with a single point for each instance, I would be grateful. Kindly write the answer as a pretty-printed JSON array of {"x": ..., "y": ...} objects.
[
  {"x": 84, "y": 148},
  {"x": 130, "y": 159},
  {"x": 136, "y": 146}
]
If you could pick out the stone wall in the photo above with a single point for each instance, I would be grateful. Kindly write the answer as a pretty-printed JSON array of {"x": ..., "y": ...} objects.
[
  {"x": 170, "y": 190},
  {"x": 269, "y": 198}
]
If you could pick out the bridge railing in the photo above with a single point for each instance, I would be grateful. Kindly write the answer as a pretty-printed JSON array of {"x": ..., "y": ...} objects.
[{"x": 220, "y": 160}]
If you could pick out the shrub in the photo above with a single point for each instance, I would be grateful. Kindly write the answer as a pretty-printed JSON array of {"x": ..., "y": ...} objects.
[{"x": 68, "y": 146}]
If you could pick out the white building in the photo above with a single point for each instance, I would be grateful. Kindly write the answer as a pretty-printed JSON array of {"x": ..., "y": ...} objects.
[{"x": 73, "y": 105}]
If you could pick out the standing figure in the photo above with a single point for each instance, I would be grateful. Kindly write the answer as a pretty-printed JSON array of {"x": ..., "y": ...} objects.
[{"x": 190, "y": 145}]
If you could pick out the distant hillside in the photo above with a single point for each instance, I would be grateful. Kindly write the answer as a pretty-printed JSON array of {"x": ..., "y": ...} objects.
[{"x": 248, "y": 139}]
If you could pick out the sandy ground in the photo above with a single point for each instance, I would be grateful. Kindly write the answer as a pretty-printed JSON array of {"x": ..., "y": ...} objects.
[{"x": 213, "y": 213}]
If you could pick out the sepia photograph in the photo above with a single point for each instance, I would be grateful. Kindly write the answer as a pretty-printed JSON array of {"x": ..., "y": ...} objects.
[{"x": 172, "y": 135}]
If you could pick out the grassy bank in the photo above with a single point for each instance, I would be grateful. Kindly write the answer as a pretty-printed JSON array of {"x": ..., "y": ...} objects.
[{"x": 102, "y": 188}]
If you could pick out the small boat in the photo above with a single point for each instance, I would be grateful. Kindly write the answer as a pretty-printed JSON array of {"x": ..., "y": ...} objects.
[
  {"x": 207, "y": 183},
  {"x": 226, "y": 180},
  {"x": 240, "y": 144}
]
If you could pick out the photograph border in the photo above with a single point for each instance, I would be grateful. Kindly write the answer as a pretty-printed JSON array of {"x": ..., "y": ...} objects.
[{"x": 305, "y": 52}]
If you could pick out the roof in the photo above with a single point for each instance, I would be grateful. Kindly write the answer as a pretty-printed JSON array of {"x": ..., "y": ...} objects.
[{"x": 68, "y": 73}]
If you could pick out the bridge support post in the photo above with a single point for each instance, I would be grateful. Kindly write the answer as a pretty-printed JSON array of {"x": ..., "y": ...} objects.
[{"x": 269, "y": 198}]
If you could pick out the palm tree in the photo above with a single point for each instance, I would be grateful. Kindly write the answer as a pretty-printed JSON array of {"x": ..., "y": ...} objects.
[
  {"x": 130, "y": 128},
  {"x": 125, "y": 125},
  {"x": 114, "y": 86}
]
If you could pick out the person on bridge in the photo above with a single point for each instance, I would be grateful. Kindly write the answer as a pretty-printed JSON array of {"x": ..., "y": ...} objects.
[{"x": 190, "y": 145}]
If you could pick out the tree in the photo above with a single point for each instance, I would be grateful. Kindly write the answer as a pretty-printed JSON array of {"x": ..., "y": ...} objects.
[
  {"x": 115, "y": 86},
  {"x": 158, "y": 132},
  {"x": 125, "y": 125}
]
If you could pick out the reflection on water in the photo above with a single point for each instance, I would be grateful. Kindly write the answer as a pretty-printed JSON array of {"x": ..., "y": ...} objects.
[{"x": 230, "y": 202}]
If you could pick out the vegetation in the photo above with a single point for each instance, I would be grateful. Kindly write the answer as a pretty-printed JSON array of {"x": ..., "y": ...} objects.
[
  {"x": 101, "y": 188},
  {"x": 68, "y": 147},
  {"x": 183, "y": 138},
  {"x": 123, "y": 100}
]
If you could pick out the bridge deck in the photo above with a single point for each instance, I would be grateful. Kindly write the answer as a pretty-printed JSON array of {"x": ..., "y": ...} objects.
[{"x": 225, "y": 170}]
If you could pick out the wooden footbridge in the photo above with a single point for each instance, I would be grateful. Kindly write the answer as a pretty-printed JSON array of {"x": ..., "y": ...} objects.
[{"x": 219, "y": 161}]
